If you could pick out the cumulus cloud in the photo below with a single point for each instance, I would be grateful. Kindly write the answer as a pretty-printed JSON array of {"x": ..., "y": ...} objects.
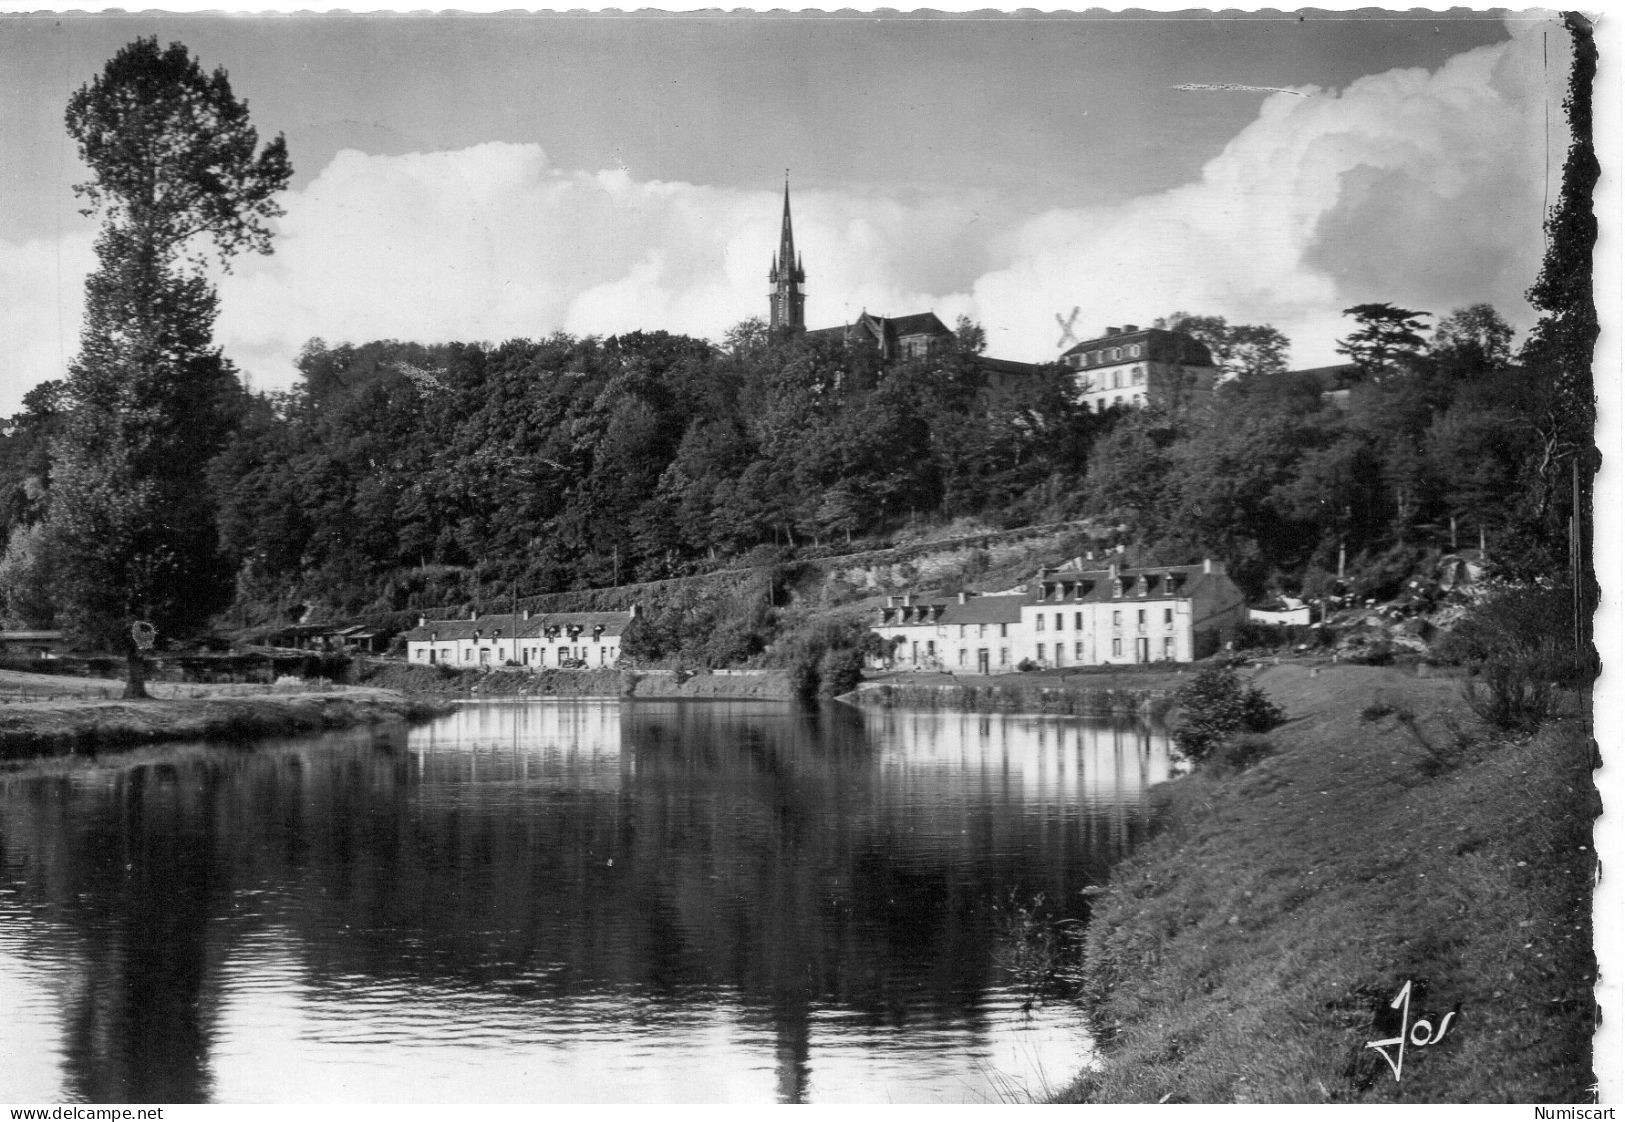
[
  {"x": 1424, "y": 189},
  {"x": 1416, "y": 187}
]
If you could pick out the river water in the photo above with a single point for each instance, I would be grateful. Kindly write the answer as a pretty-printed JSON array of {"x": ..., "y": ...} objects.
[{"x": 563, "y": 901}]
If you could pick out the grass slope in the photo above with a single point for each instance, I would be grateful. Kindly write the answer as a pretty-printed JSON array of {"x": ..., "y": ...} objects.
[{"x": 1244, "y": 953}]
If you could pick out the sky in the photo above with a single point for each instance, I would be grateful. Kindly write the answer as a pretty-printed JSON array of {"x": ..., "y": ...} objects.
[{"x": 507, "y": 176}]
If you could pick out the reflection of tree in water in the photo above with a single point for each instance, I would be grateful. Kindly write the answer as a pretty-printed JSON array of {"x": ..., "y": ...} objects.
[
  {"x": 127, "y": 877},
  {"x": 677, "y": 852}
]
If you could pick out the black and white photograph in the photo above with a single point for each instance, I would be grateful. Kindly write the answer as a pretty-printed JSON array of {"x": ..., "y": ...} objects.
[{"x": 745, "y": 557}]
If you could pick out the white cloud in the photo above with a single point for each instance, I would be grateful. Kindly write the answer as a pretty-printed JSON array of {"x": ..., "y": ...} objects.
[
  {"x": 1416, "y": 188},
  {"x": 41, "y": 302},
  {"x": 1420, "y": 188}
]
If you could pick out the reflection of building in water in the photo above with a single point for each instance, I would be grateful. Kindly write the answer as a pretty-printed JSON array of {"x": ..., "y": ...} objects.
[
  {"x": 556, "y": 744},
  {"x": 1090, "y": 774}
]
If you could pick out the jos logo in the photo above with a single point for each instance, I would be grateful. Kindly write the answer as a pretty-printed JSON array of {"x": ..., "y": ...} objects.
[{"x": 1418, "y": 1035}]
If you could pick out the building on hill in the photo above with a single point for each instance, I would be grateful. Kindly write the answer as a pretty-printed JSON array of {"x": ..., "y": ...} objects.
[
  {"x": 893, "y": 338},
  {"x": 537, "y": 640},
  {"x": 1334, "y": 381},
  {"x": 1074, "y": 615},
  {"x": 1136, "y": 366},
  {"x": 902, "y": 337}
]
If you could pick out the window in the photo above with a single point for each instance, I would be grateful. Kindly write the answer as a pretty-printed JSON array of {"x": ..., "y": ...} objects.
[
  {"x": 963, "y": 653},
  {"x": 1167, "y": 617},
  {"x": 1134, "y": 351},
  {"x": 1077, "y": 621},
  {"x": 1142, "y": 617},
  {"x": 1117, "y": 619},
  {"x": 1168, "y": 647},
  {"x": 981, "y": 631},
  {"x": 961, "y": 631},
  {"x": 1058, "y": 624},
  {"x": 1137, "y": 375},
  {"x": 1040, "y": 624},
  {"x": 1059, "y": 649},
  {"x": 1117, "y": 648},
  {"x": 1004, "y": 630},
  {"x": 1004, "y": 656},
  {"x": 1118, "y": 400},
  {"x": 1117, "y": 379},
  {"x": 1077, "y": 651},
  {"x": 468, "y": 656}
]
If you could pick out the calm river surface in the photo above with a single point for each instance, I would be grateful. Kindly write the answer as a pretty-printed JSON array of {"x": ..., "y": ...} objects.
[{"x": 561, "y": 901}]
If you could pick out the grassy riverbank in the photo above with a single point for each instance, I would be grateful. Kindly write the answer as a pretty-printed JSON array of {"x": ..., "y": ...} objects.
[
  {"x": 77, "y": 717},
  {"x": 1243, "y": 954}
]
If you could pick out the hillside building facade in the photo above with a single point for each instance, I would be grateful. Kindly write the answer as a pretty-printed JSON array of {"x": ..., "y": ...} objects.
[
  {"x": 1134, "y": 366},
  {"x": 539, "y": 640},
  {"x": 1075, "y": 615}
]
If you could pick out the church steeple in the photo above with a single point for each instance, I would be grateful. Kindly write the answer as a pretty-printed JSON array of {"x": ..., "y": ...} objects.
[{"x": 787, "y": 300}]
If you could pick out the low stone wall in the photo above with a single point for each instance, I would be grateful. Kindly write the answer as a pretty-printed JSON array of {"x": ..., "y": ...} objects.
[{"x": 1003, "y": 697}]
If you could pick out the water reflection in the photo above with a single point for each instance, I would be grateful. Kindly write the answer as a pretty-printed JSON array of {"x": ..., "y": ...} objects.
[{"x": 559, "y": 901}]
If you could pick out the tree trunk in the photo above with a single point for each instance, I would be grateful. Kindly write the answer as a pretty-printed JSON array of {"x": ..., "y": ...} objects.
[{"x": 135, "y": 675}]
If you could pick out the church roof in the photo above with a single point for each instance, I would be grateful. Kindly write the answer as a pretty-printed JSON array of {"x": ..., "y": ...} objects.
[{"x": 921, "y": 323}]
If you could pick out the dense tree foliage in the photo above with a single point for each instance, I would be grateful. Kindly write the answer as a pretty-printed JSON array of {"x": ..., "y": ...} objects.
[{"x": 129, "y": 530}]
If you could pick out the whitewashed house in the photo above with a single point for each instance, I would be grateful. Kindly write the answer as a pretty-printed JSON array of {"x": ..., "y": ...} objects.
[
  {"x": 968, "y": 634},
  {"x": 1068, "y": 616},
  {"x": 1156, "y": 613},
  {"x": 539, "y": 640}
]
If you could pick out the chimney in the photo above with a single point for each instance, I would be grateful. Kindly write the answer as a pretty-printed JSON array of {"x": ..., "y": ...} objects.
[
  {"x": 1090, "y": 556},
  {"x": 1207, "y": 564},
  {"x": 1113, "y": 330},
  {"x": 423, "y": 621},
  {"x": 635, "y": 611},
  {"x": 891, "y": 601},
  {"x": 527, "y": 613},
  {"x": 1130, "y": 329},
  {"x": 1112, "y": 568},
  {"x": 473, "y": 613},
  {"x": 908, "y": 599},
  {"x": 962, "y": 597}
]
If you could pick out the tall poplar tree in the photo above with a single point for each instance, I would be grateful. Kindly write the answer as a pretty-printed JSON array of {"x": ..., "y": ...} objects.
[{"x": 177, "y": 171}]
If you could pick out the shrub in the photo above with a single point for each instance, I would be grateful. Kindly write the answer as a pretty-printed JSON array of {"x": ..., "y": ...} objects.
[
  {"x": 1241, "y": 752},
  {"x": 1514, "y": 690},
  {"x": 1216, "y": 705},
  {"x": 1519, "y": 653},
  {"x": 839, "y": 671}
]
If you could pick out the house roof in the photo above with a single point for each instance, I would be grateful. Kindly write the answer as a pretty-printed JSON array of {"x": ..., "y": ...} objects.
[
  {"x": 1160, "y": 582},
  {"x": 921, "y": 323},
  {"x": 975, "y": 609},
  {"x": 1161, "y": 345},
  {"x": 487, "y": 627},
  {"x": 1006, "y": 366}
]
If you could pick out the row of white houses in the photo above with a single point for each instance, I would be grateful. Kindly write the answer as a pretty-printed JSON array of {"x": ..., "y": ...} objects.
[
  {"x": 1068, "y": 616},
  {"x": 540, "y": 640}
]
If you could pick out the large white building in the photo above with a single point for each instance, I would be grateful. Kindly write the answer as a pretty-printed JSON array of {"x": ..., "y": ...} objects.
[
  {"x": 1133, "y": 366},
  {"x": 1074, "y": 615},
  {"x": 540, "y": 640}
]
